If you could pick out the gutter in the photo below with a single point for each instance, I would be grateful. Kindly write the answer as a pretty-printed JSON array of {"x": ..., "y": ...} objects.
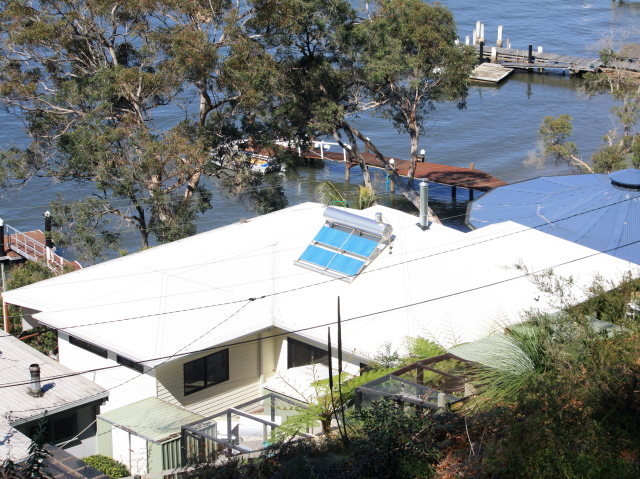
[{"x": 65, "y": 407}]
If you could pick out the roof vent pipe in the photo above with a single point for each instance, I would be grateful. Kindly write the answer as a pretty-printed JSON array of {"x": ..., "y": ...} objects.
[
  {"x": 35, "y": 390},
  {"x": 424, "y": 205},
  {"x": 2, "y": 252},
  {"x": 379, "y": 218}
]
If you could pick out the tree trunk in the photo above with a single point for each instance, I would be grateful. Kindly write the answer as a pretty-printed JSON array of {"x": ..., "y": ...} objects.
[
  {"x": 408, "y": 193},
  {"x": 356, "y": 151}
]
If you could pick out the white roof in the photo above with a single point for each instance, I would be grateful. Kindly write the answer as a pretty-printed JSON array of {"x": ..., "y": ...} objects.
[
  {"x": 194, "y": 293},
  {"x": 60, "y": 393},
  {"x": 18, "y": 407}
]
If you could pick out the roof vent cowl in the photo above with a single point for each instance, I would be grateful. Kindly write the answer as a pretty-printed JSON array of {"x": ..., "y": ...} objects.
[
  {"x": 628, "y": 179},
  {"x": 34, "y": 388}
]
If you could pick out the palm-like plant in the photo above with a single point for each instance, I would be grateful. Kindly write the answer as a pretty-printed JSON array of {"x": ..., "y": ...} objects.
[{"x": 328, "y": 194}]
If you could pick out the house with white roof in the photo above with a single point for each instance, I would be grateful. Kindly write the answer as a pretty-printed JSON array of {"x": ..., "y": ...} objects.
[
  {"x": 222, "y": 317},
  {"x": 35, "y": 389}
]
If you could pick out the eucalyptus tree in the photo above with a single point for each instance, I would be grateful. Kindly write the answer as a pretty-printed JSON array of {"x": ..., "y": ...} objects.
[
  {"x": 91, "y": 78},
  {"x": 408, "y": 60}
]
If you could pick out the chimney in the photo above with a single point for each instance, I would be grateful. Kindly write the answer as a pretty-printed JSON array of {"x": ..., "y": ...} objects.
[
  {"x": 424, "y": 205},
  {"x": 34, "y": 389}
]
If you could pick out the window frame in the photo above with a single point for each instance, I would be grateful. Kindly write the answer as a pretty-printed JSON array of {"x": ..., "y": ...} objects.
[
  {"x": 292, "y": 342},
  {"x": 87, "y": 346},
  {"x": 50, "y": 428},
  {"x": 206, "y": 384}
]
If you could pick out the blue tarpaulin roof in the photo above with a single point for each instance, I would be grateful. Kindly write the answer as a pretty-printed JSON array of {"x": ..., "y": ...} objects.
[{"x": 585, "y": 209}]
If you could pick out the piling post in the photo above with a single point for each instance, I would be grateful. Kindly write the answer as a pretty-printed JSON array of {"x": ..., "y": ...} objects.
[
  {"x": 466, "y": 40},
  {"x": 481, "y": 57},
  {"x": 453, "y": 193},
  {"x": 475, "y": 37},
  {"x": 392, "y": 185},
  {"x": 499, "y": 40},
  {"x": 2, "y": 252},
  {"x": 482, "y": 32},
  {"x": 47, "y": 229},
  {"x": 508, "y": 44},
  {"x": 530, "y": 57},
  {"x": 366, "y": 146},
  {"x": 470, "y": 195},
  {"x": 494, "y": 55},
  {"x": 478, "y": 36}
]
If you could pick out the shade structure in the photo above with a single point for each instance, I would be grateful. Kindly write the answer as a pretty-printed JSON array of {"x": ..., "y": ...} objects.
[{"x": 601, "y": 212}]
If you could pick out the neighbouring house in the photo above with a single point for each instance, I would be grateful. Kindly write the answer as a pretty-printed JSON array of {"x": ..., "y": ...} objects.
[
  {"x": 226, "y": 316},
  {"x": 36, "y": 387},
  {"x": 598, "y": 211}
]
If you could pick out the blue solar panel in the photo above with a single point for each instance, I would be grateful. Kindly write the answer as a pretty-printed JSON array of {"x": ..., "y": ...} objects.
[
  {"x": 331, "y": 237},
  {"x": 332, "y": 260},
  {"x": 362, "y": 246},
  {"x": 348, "y": 242},
  {"x": 319, "y": 256},
  {"x": 346, "y": 265}
]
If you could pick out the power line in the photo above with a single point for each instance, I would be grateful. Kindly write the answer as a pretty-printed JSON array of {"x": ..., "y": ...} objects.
[
  {"x": 385, "y": 311},
  {"x": 491, "y": 238}
]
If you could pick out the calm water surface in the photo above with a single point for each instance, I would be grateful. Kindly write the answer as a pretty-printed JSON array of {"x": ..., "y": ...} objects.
[{"x": 495, "y": 131}]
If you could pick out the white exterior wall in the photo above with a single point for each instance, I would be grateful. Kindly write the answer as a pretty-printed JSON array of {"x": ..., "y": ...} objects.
[
  {"x": 244, "y": 384},
  {"x": 125, "y": 385},
  {"x": 28, "y": 321}
]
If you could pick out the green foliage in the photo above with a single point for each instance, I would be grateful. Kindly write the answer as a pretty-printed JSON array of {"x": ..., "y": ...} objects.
[
  {"x": 395, "y": 442},
  {"x": 34, "y": 467},
  {"x": 107, "y": 466},
  {"x": 327, "y": 194},
  {"x": 22, "y": 275}
]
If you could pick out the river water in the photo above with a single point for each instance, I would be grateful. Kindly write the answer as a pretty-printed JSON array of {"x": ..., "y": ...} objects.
[{"x": 495, "y": 131}]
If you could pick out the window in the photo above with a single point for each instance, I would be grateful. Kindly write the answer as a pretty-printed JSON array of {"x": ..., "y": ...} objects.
[
  {"x": 57, "y": 430},
  {"x": 88, "y": 346},
  {"x": 205, "y": 372},
  {"x": 130, "y": 364},
  {"x": 301, "y": 354}
]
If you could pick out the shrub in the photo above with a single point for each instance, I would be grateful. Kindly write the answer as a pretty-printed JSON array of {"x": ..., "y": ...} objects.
[{"x": 108, "y": 466}]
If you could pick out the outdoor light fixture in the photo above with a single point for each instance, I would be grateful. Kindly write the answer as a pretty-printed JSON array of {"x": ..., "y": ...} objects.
[{"x": 421, "y": 156}]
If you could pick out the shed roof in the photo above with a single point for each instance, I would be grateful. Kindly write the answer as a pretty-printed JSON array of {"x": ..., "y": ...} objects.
[
  {"x": 585, "y": 209},
  {"x": 61, "y": 394},
  {"x": 219, "y": 286},
  {"x": 152, "y": 419}
]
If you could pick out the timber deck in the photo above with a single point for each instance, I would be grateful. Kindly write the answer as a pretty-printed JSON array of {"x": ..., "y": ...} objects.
[
  {"x": 490, "y": 72},
  {"x": 433, "y": 172},
  {"x": 31, "y": 246},
  {"x": 517, "y": 58}
]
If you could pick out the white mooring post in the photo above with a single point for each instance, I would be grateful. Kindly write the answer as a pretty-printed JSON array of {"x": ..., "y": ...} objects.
[
  {"x": 478, "y": 36},
  {"x": 424, "y": 205},
  {"x": 494, "y": 55},
  {"x": 482, "y": 32},
  {"x": 475, "y": 37},
  {"x": 442, "y": 400},
  {"x": 539, "y": 49},
  {"x": 466, "y": 40},
  {"x": 499, "y": 40},
  {"x": 508, "y": 43}
]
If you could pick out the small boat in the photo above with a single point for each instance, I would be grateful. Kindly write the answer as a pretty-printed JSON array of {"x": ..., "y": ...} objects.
[{"x": 262, "y": 163}]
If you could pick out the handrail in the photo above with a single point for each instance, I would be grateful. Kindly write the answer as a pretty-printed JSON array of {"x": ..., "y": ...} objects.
[{"x": 32, "y": 249}]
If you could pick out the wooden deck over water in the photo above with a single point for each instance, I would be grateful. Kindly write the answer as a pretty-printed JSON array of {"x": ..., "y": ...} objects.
[
  {"x": 434, "y": 172},
  {"x": 31, "y": 246},
  {"x": 518, "y": 58}
]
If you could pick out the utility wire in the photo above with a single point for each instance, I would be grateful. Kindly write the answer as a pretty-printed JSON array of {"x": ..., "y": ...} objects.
[
  {"x": 384, "y": 311},
  {"x": 491, "y": 238}
]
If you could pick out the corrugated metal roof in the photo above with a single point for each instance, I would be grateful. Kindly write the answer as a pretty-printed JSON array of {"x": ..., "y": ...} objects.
[
  {"x": 59, "y": 394},
  {"x": 585, "y": 209},
  {"x": 152, "y": 419},
  {"x": 13, "y": 444}
]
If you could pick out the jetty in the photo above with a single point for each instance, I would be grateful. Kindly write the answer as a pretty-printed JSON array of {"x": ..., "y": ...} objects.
[
  {"x": 16, "y": 246},
  {"x": 490, "y": 73},
  {"x": 537, "y": 60},
  {"x": 526, "y": 59},
  {"x": 453, "y": 176}
]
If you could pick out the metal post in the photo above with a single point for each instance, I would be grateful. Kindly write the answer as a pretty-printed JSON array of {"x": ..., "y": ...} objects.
[
  {"x": 229, "y": 441},
  {"x": 5, "y": 316},
  {"x": 273, "y": 411},
  {"x": 499, "y": 41},
  {"x": 322, "y": 150},
  {"x": 481, "y": 57},
  {"x": 530, "y": 59},
  {"x": 424, "y": 205},
  {"x": 47, "y": 229},
  {"x": 392, "y": 185}
]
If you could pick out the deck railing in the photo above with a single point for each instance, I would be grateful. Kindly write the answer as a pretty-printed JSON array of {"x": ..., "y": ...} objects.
[{"x": 32, "y": 249}]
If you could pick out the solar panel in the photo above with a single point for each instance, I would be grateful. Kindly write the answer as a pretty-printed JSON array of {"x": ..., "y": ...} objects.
[{"x": 342, "y": 250}]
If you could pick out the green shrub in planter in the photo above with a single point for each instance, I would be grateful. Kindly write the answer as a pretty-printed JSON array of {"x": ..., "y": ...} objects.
[{"x": 108, "y": 466}]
